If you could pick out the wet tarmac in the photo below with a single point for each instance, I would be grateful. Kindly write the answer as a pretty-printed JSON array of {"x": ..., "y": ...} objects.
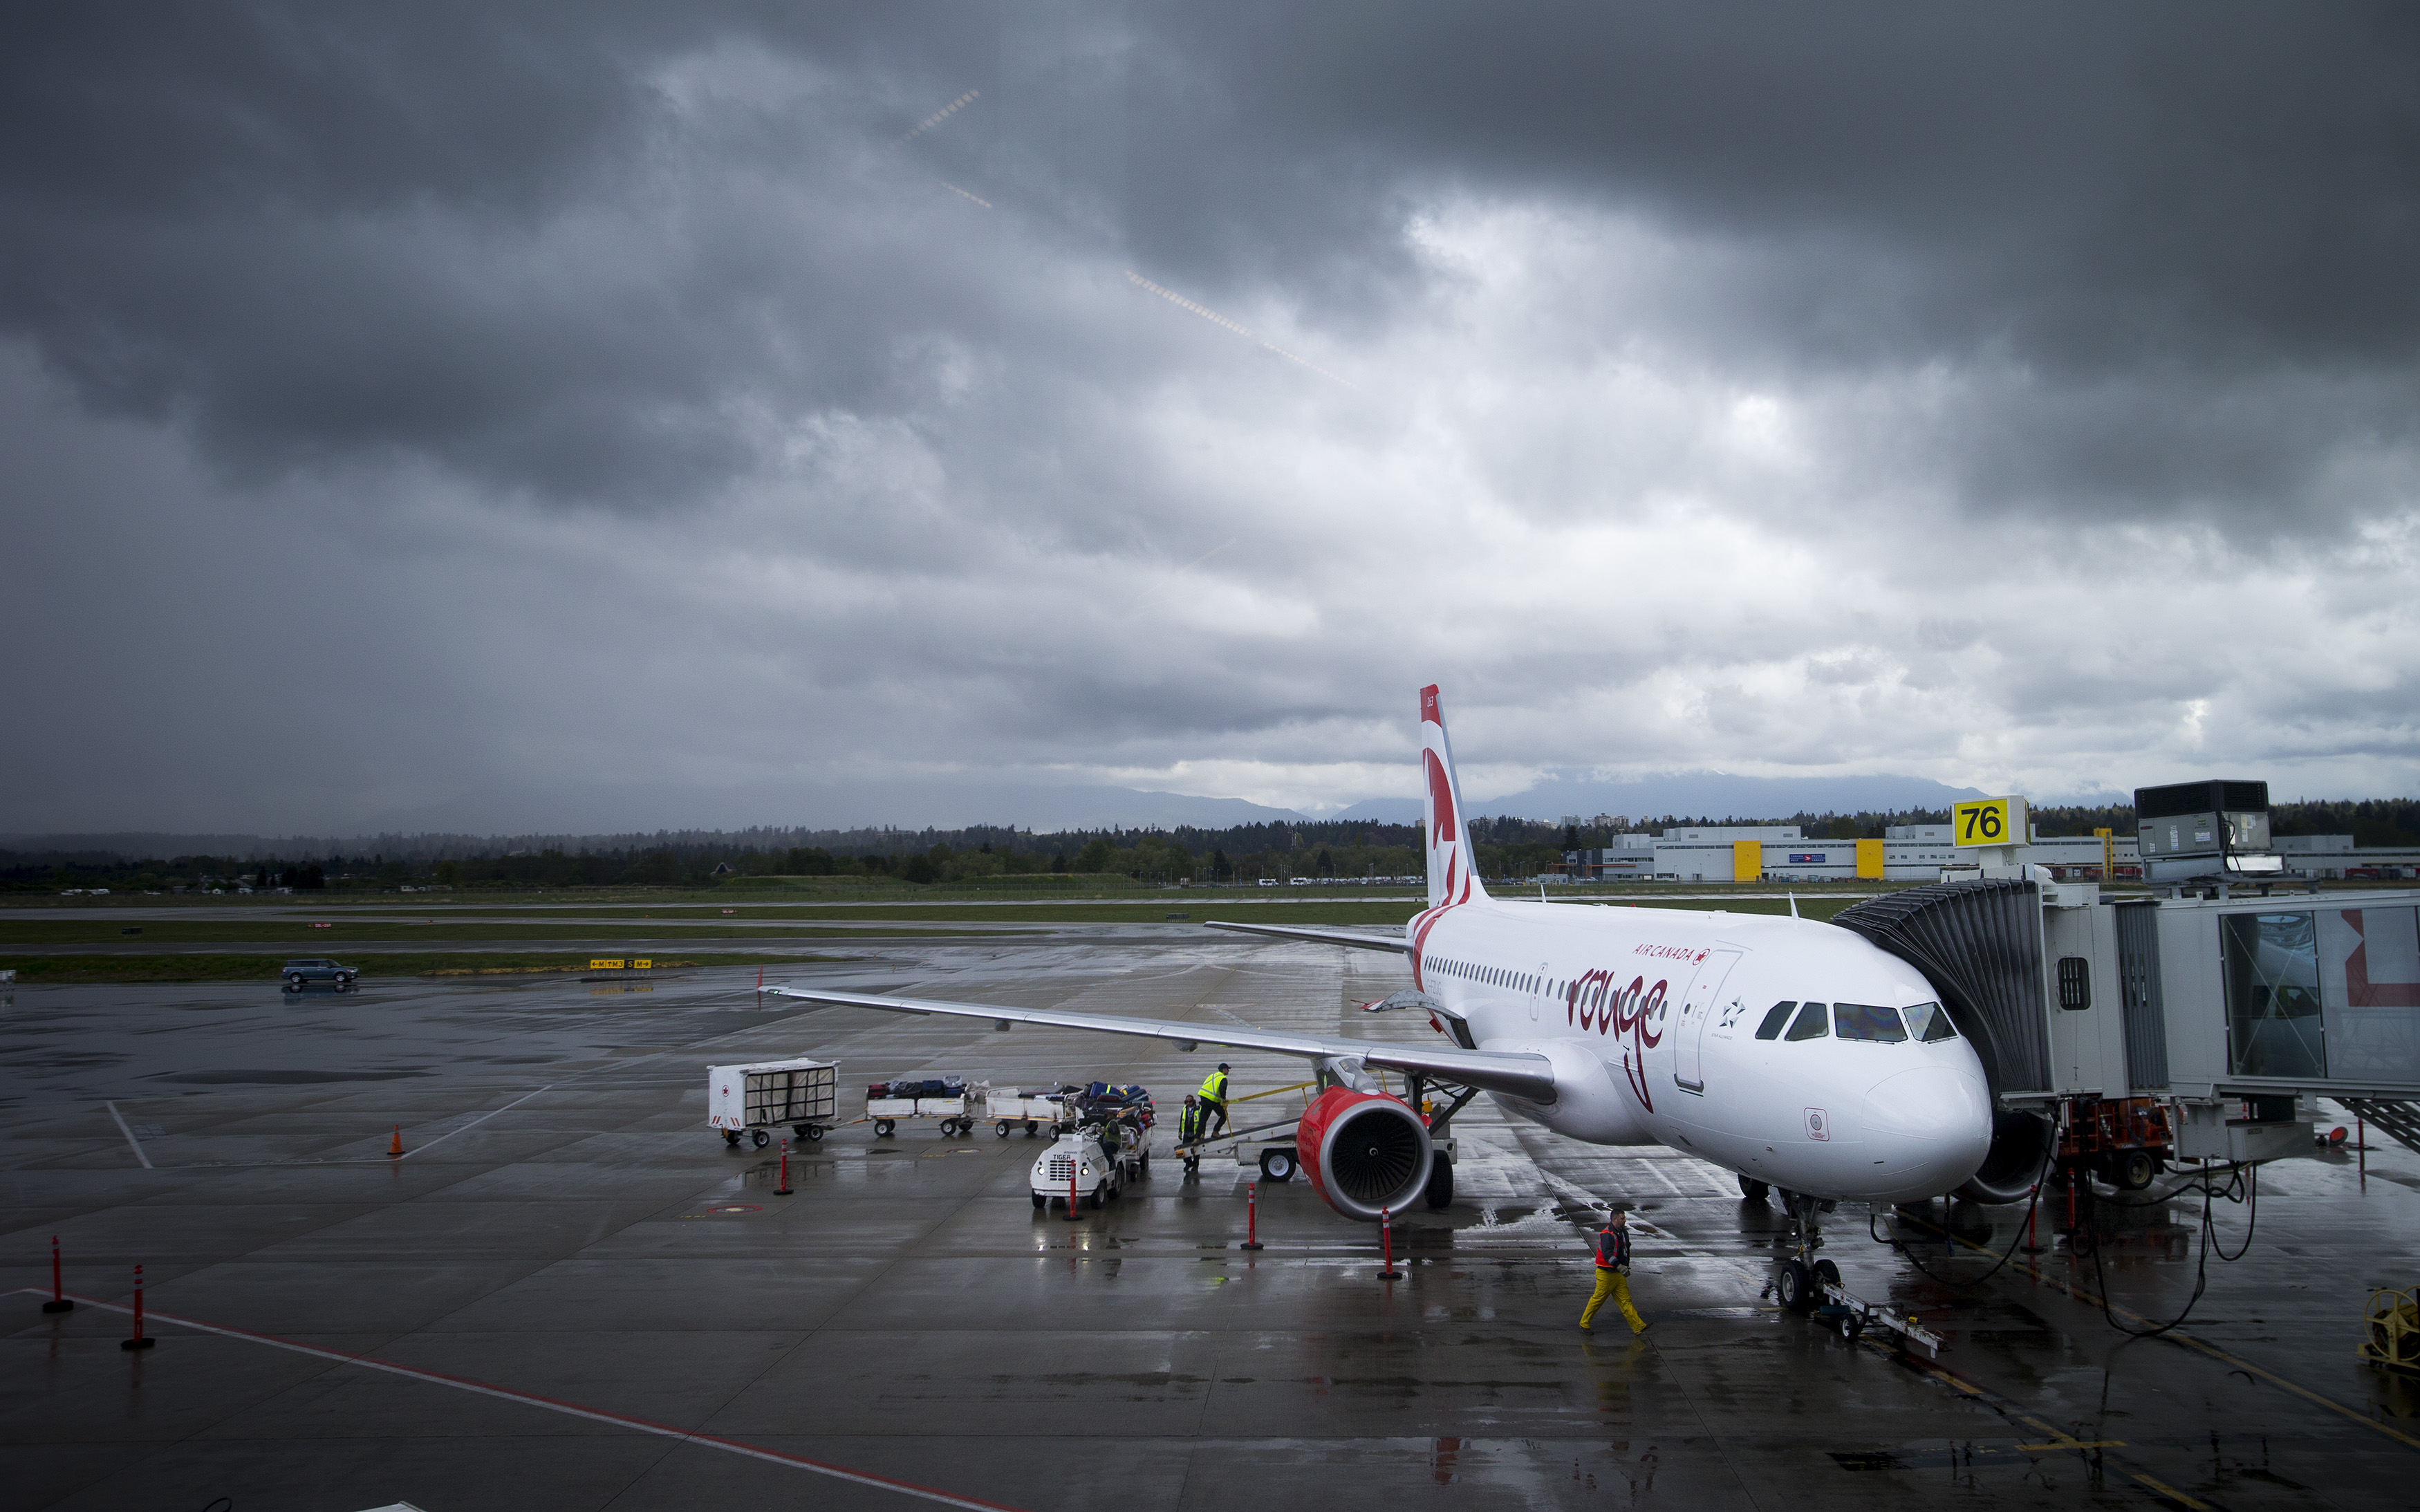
[{"x": 568, "y": 1292}]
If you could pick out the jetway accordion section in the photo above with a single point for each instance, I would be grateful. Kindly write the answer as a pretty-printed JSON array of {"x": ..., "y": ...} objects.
[
  {"x": 1980, "y": 943},
  {"x": 2138, "y": 984}
]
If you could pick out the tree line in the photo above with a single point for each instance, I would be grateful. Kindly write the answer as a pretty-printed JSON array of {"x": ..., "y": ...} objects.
[{"x": 1242, "y": 853}]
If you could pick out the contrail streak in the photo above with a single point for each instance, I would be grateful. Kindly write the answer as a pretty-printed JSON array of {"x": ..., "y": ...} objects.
[
  {"x": 937, "y": 117},
  {"x": 1218, "y": 319}
]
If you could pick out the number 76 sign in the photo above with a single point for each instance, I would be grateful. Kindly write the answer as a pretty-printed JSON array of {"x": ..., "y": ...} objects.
[{"x": 1991, "y": 822}]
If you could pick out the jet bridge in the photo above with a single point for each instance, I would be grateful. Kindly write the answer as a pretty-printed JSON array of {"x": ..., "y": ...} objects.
[{"x": 2228, "y": 1008}]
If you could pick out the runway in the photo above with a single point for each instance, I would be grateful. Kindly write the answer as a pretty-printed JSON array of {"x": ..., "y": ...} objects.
[{"x": 569, "y": 1294}]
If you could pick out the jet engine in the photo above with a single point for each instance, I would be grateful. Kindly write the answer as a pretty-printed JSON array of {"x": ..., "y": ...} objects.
[
  {"x": 1364, "y": 1152},
  {"x": 2021, "y": 1147}
]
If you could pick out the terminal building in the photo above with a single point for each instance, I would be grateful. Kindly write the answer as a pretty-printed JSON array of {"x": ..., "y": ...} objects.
[{"x": 1919, "y": 853}]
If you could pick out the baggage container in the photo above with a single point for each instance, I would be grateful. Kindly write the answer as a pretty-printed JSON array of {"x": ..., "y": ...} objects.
[{"x": 752, "y": 1101}]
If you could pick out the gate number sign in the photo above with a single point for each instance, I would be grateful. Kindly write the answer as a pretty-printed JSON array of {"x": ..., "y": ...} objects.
[{"x": 1989, "y": 822}]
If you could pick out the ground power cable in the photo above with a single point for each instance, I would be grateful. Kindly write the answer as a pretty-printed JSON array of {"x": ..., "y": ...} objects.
[
  {"x": 1907, "y": 1251},
  {"x": 2243, "y": 1186},
  {"x": 2033, "y": 1200}
]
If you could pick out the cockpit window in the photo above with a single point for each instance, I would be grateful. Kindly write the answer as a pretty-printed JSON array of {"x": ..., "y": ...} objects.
[
  {"x": 1867, "y": 1021},
  {"x": 1810, "y": 1023},
  {"x": 1929, "y": 1021},
  {"x": 1771, "y": 1027}
]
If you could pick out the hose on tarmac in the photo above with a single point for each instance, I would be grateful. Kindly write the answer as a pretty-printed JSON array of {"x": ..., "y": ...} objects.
[
  {"x": 1907, "y": 1251},
  {"x": 2243, "y": 1185}
]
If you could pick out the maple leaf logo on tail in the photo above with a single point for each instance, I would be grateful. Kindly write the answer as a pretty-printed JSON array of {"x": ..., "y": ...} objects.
[{"x": 1450, "y": 864}]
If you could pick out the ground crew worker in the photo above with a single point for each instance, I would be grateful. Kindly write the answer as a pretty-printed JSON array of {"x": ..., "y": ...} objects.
[
  {"x": 1189, "y": 1131},
  {"x": 1213, "y": 1099},
  {"x": 1613, "y": 1273}
]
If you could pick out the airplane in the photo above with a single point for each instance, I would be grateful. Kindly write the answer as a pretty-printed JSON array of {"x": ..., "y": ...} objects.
[{"x": 1797, "y": 1054}]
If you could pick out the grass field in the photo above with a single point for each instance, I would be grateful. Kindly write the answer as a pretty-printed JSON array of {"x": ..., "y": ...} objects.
[
  {"x": 38, "y": 970},
  {"x": 386, "y": 941},
  {"x": 345, "y": 930},
  {"x": 372, "y": 924}
]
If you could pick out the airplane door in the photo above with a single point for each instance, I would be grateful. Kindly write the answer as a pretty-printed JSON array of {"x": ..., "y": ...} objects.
[{"x": 1696, "y": 1010}]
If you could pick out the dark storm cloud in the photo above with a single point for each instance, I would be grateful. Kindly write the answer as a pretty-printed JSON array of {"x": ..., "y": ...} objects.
[
  {"x": 2190, "y": 220},
  {"x": 488, "y": 235},
  {"x": 1710, "y": 385},
  {"x": 319, "y": 232},
  {"x": 2085, "y": 180}
]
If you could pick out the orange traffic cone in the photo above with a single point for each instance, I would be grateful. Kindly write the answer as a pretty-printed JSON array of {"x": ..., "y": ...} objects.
[{"x": 396, "y": 1148}]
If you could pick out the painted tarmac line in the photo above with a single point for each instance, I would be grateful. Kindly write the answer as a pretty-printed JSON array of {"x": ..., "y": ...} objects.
[
  {"x": 475, "y": 1122},
  {"x": 2180, "y": 1336},
  {"x": 129, "y": 1135},
  {"x": 2173, "y": 1494},
  {"x": 594, "y": 1414}
]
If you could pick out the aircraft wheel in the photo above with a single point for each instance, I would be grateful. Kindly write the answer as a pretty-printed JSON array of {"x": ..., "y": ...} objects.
[
  {"x": 1796, "y": 1288},
  {"x": 1440, "y": 1188},
  {"x": 1753, "y": 1189}
]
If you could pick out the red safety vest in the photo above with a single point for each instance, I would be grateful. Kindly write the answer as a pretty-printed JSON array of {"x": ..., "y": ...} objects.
[{"x": 1612, "y": 1248}]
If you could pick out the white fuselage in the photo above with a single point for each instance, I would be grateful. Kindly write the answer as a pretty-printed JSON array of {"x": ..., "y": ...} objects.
[{"x": 1651, "y": 1016}]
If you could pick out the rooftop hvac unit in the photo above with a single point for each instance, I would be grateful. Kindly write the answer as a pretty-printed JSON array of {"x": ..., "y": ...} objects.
[{"x": 2194, "y": 831}]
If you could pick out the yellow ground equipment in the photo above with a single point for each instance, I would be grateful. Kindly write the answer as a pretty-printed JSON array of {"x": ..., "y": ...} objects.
[{"x": 2391, "y": 1331}]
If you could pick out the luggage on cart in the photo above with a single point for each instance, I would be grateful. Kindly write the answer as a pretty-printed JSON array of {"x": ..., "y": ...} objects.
[{"x": 949, "y": 1099}]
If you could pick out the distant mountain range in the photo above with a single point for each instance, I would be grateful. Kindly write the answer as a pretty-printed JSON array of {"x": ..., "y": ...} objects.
[
  {"x": 1038, "y": 809},
  {"x": 1044, "y": 809},
  {"x": 1713, "y": 795}
]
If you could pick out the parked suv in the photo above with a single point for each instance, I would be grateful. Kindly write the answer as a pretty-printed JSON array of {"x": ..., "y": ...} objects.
[{"x": 301, "y": 974}]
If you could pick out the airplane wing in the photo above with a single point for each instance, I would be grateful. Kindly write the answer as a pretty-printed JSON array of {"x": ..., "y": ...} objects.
[
  {"x": 1325, "y": 937},
  {"x": 1516, "y": 1073}
]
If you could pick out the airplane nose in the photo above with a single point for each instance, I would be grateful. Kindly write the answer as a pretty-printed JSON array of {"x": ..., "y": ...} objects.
[{"x": 1930, "y": 1125}]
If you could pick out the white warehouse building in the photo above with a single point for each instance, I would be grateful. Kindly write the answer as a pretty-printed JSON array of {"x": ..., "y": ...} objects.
[{"x": 1917, "y": 852}]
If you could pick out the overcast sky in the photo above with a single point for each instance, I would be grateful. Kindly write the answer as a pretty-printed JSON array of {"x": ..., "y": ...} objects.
[{"x": 563, "y": 416}]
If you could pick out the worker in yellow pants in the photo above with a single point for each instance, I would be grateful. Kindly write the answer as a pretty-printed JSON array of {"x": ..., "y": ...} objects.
[{"x": 1613, "y": 1273}]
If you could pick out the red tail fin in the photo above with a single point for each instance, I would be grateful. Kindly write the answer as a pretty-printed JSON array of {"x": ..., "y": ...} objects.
[{"x": 1452, "y": 870}]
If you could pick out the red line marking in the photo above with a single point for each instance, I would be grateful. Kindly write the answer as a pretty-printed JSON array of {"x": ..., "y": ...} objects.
[{"x": 595, "y": 1414}]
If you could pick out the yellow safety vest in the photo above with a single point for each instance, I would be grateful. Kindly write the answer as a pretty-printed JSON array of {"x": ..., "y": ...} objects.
[{"x": 1214, "y": 1087}]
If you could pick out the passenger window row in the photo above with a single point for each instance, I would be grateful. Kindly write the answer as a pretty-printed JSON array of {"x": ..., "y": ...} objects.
[
  {"x": 1856, "y": 1021},
  {"x": 1492, "y": 976}
]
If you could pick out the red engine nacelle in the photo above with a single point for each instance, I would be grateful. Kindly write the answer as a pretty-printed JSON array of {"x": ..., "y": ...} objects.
[{"x": 1364, "y": 1152}]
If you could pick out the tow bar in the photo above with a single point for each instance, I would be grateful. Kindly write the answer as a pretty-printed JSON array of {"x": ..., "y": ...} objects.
[{"x": 1853, "y": 1316}]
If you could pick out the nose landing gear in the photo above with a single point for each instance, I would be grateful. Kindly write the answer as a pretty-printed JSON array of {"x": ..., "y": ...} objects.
[
  {"x": 1797, "y": 1283},
  {"x": 1807, "y": 1286}
]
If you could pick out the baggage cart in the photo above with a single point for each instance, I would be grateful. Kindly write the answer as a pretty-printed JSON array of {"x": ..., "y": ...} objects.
[
  {"x": 752, "y": 1101},
  {"x": 957, "y": 1114},
  {"x": 1034, "y": 1110}
]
